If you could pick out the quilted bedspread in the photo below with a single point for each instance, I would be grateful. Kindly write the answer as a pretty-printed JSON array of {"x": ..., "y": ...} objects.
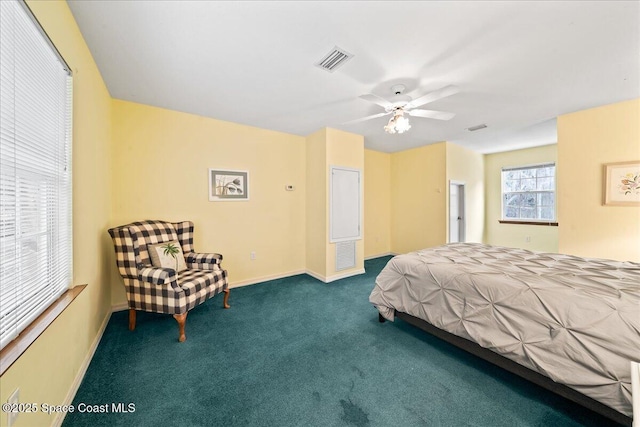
[{"x": 572, "y": 319}]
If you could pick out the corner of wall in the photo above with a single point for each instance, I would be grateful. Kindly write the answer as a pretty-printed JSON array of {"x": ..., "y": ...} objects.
[
  {"x": 377, "y": 204},
  {"x": 418, "y": 198},
  {"x": 467, "y": 166},
  {"x": 70, "y": 337},
  {"x": 587, "y": 140}
]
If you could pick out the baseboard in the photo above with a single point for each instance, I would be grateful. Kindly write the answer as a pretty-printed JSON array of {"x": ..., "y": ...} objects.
[
  {"x": 334, "y": 277},
  {"x": 344, "y": 275},
  {"x": 378, "y": 256},
  {"x": 57, "y": 421},
  {"x": 316, "y": 275},
  {"x": 264, "y": 279},
  {"x": 120, "y": 307},
  {"x": 124, "y": 306}
]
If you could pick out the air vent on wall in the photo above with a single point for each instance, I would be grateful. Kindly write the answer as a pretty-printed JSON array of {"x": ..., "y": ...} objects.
[
  {"x": 334, "y": 59},
  {"x": 345, "y": 255}
]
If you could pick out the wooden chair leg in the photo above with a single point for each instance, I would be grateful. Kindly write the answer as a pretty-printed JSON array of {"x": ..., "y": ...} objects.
[
  {"x": 132, "y": 319},
  {"x": 181, "y": 319},
  {"x": 225, "y": 300}
]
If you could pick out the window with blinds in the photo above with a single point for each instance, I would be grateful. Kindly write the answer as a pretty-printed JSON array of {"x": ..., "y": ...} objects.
[
  {"x": 35, "y": 171},
  {"x": 528, "y": 193}
]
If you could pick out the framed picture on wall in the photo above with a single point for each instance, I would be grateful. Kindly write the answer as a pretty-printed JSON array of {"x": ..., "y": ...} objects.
[
  {"x": 228, "y": 185},
  {"x": 622, "y": 184}
]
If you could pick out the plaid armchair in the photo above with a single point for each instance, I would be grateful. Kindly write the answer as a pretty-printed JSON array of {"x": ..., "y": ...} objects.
[{"x": 163, "y": 290}]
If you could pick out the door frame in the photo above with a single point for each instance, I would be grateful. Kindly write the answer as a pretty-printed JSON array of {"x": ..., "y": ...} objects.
[{"x": 462, "y": 210}]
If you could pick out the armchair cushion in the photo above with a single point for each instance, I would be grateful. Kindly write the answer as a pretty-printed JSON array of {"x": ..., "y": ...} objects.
[
  {"x": 160, "y": 257},
  {"x": 203, "y": 261},
  {"x": 194, "y": 281},
  {"x": 158, "y": 276}
]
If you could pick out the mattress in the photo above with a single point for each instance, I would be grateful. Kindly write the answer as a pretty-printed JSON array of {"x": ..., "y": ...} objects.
[{"x": 575, "y": 320}]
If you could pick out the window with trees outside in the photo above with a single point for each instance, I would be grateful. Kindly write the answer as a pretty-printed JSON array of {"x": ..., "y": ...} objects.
[
  {"x": 528, "y": 193},
  {"x": 35, "y": 171}
]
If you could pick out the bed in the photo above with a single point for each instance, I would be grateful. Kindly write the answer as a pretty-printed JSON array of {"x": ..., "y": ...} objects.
[{"x": 569, "y": 324}]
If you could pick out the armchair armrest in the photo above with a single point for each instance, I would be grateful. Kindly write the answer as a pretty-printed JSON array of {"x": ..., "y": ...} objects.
[
  {"x": 159, "y": 276},
  {"x": 203, "y": 261}
]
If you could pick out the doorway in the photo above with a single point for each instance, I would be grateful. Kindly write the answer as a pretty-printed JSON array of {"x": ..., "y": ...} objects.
[{"x": 457, "y": 221}]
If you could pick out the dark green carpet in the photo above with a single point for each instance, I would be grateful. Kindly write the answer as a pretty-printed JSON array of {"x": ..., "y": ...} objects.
[{"x": 296, "y": 352}]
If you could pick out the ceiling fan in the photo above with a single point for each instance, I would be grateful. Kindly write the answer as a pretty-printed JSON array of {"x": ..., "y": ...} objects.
[{"x": 401, "y": 104}]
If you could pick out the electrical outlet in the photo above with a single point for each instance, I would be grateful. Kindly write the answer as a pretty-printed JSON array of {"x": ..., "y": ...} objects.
[
  {"x": 252, "y": 255},
  {"x": 14, "y": 399},
  {"x": 527, "y": 239}
]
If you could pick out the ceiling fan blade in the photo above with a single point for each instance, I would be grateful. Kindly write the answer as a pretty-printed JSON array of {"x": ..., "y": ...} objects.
[
  {"x": 431, "y": 114},
  {"x": 434, "y": 96},
  {"x": 375, "y": 116},
  {"x": 377, "y": 100}
]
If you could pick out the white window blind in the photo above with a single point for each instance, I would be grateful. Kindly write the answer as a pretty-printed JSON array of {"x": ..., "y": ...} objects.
[
  {"x": 528, "y": 193},
  {"x": 35, "y": 171}
]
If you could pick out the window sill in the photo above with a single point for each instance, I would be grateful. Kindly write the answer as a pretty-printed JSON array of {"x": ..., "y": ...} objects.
[
  {"x": 12, "y": 351},
  {"x": 552, "y": 224}
]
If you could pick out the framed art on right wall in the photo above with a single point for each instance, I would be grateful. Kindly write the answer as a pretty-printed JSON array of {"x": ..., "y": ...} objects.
[{"x": 622, "y": 184}]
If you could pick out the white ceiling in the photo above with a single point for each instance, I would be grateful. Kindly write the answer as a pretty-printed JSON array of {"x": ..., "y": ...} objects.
[{"x": 518, "y": 64}]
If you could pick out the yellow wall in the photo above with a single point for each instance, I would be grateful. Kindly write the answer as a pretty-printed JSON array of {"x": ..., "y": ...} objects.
[
  {"x": 347, "y": 150},
  {"x": 47, "y": 370},
  {"x": 377, "y": 203},
  {"x": 162, "y": 157},
  {"x": 543, "y": 238},
  {"x": 316, "y": 203},
  {"x": 586, "y": 141},
  {"x": 325, "y": 148},
  {"x": 467, "y": 166},
  {"x": 418, "y": 198}
]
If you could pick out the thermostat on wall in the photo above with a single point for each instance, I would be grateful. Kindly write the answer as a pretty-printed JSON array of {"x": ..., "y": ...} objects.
[{"x": 289, "y": 187}]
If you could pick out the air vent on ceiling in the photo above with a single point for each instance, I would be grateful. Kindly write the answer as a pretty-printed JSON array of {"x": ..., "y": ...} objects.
[
  {"x": 478, "y": 127},
  {"x": 334, "y": 59}
]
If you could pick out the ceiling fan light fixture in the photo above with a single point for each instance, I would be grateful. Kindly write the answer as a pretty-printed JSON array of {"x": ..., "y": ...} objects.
[
  {"x": 398, "y": 123},
  {"x": 400, "y": 104}
]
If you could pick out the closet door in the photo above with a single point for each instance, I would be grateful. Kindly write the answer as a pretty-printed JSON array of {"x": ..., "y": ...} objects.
[{"x": 345, "y": 204}]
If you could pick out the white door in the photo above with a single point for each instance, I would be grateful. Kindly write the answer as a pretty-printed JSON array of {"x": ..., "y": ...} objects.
[
  {"x": 456, "y": 212},
  {"x": 345, "y": 202}
]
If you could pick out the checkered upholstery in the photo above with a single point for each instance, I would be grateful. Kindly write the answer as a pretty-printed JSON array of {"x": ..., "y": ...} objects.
[{"x": 162, "y": 290}]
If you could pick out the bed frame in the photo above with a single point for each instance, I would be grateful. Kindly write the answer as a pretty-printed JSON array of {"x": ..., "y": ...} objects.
[{"x": 515, "y": 368}]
